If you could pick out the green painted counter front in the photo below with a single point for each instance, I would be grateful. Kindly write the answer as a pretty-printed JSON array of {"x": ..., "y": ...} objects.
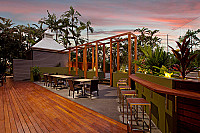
[
  {"x": 91, "y": 74},
  {"x": 117, "y": 76},
  {"x": 163, "y": 115},
  {"x": 59, "y": 70}
]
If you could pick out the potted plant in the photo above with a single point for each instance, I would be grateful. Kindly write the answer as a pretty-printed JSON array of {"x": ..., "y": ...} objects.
[{"x": 36, "y": 73}]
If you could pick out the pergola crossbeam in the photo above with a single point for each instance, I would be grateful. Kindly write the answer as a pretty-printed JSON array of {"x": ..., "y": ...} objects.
[{"x": 105, "y": 41}]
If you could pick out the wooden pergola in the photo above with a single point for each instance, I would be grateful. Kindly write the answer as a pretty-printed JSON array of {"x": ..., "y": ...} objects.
[{"x": 104, "y": 41}]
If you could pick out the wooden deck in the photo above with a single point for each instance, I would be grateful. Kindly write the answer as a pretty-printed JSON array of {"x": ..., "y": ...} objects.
[{"x": 26, "y": 107}]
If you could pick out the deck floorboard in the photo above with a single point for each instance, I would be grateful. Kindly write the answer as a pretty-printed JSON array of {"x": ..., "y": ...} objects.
[{"x": 27, "y": 107}]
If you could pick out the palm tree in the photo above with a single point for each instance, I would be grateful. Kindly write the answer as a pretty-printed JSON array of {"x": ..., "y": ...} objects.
[
  {"x": 72, "y": 16},
  {"x": 142, "y": 37},
  {"x": 194, "y": 40},
  {"x": 52, "y": 22},
  {"x": 88, "y": 23},
  {"x": 39, "y": 31}
]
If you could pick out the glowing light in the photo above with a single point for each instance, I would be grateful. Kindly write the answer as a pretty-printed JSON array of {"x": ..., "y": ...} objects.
[{"x": 168, "y": 75}]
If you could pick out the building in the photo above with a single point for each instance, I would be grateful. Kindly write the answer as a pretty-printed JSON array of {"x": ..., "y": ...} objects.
[{"x": 46, "y": 53}]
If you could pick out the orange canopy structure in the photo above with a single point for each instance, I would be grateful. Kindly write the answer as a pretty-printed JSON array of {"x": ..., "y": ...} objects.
[{"x": 109, "y": 40}]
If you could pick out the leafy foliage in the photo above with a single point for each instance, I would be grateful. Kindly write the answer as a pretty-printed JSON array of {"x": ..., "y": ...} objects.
[
  {"x": 35, "y": 70},
  {"x": 148, "y": 37},
  {"x": 157, "y": 57},
  {"x": 184, "y": 57},
  {"x": 194, "y": 39}
]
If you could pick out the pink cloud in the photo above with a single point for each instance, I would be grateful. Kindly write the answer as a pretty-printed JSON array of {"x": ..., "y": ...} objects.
[{"x": 23, "y": 7}]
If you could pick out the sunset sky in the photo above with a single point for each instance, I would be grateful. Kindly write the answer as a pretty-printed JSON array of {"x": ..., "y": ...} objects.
[{"x": 109, "y": 17}]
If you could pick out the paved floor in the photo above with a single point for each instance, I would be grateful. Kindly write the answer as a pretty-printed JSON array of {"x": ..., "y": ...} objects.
[{"x": 106, "y": 103}]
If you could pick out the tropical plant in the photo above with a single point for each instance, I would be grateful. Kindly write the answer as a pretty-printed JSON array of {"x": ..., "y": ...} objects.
[
  {"x": 35, "y": 70},
  {"x": 194, "y": 40},
  {"x": 157, "y": 57},
  {"x": 184, "y": 57},
  {"x": 52, "y": 22},
  {"x": 89, "y": 28},
  {"x": 142, "y": 66},
  {"x": 148, "y": 37},
  {"x": 36, "y": 73}
]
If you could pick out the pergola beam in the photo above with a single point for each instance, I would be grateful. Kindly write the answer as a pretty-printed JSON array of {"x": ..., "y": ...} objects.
[
  {"x": 135, "y": 50},
  {"x": 111, "y": 71},
  {"x": 76, "y": 61},
  {"x": 129, "y": 58},
  {"x": 85, "y": 62},
  {"x": 108, "y": 40},
  {"x": 96, "y": 59},
  {"x": 93, "y": 58},
  {"x": 118, "y": 56},
  {"x": 104, "y": 59},
  {"x": 69, "y": 62}
]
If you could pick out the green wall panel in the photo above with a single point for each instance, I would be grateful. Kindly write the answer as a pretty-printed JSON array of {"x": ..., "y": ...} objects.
[{"x": 163, "y": 116}]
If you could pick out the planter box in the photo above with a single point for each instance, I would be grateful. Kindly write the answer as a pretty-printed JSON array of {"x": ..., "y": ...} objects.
[
  {"x": 91, "y": 74},
  {"x": 117, "y": 76},
  {"x": 59, "y": 70}
]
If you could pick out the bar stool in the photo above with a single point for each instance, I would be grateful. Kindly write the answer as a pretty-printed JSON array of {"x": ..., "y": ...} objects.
[
  {"x": 123, "y": 80},
  {"x": 121, "y": 83},
  {"x": 119, "y": 91},
  {"x": 132, "y": 104},
  {"x": 125, "y": 94}
]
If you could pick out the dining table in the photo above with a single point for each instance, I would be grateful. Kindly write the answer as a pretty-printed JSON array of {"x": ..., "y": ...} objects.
[
  {"x": 83, "y": 81},
  {"x": 62, "y": 77}
]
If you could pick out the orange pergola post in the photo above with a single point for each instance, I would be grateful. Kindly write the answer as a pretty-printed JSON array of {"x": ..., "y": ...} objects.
[
  {"x": 129, "y": 58},
  {"x": 96, "y": 59},
  {"x": 118, "y": 56},
  {"x": 104, "y": 60},
  {"x": 111, "y": 62},
  {"x": 135, "y": 53},
  {"x": 92, "y": 57},
  {"x": 69, "y": 62},
  {"x": 85, "y": 62},
  {"x": 76, "y": 61}
]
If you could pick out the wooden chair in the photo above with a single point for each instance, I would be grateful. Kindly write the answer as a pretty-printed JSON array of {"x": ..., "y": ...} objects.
[
  {"x": 72, "y": 87},
  {"x": 93, "y": 87}
]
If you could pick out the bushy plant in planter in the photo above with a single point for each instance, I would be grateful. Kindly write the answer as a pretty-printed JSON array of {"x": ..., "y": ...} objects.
[
  {"x": 152, "y": 60},
  {"x": 183, "y": 55},
  {"x": 36, "y": 73}
]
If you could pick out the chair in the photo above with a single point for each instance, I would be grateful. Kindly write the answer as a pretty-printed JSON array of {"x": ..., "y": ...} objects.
[
  {"x": 93, "y": 87},
  {"x": 57, "y": 83},
  {"x": 72, "y": 87},
  {"x": 1, "y": 79},
  {"x": 45, "y": 80},
  {"x": 50, "y": 80}
]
